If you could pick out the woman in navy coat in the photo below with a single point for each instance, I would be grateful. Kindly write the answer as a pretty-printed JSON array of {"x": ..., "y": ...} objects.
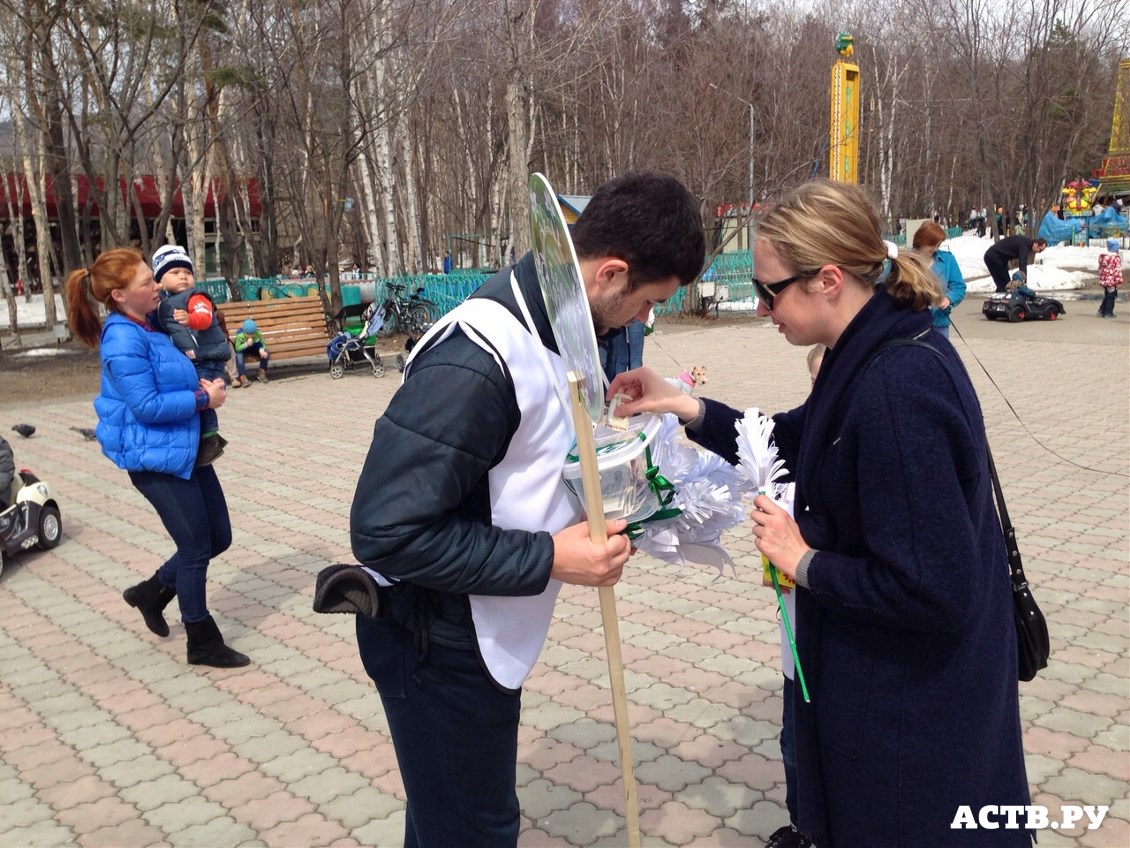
[{"x": 904, "y": 615}]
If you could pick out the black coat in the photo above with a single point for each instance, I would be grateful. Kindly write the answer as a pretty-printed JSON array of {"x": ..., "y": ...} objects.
[
  {"x": 905, "y": 631},
  {"x": 422, "y": 510},
  {"x": 7, "y": 471},
  {"x": 1012, "y": 247}
]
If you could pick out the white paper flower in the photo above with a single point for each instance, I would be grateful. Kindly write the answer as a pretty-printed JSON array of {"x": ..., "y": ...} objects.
[
  {"x": 757, "y": 454},
  {"x": 708, "y": 491}
]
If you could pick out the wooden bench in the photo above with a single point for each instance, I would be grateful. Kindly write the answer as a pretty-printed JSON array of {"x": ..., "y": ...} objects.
[{"x": 292, "y": 327}]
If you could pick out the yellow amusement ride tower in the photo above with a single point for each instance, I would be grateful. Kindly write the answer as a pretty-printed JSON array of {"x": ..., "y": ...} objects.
[
  {"x": 843, "y": 131},
  {"x": 1115, "y": 170}
]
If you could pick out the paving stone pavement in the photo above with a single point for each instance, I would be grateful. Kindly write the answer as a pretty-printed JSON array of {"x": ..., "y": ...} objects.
[{"x": 110, "y": 739}]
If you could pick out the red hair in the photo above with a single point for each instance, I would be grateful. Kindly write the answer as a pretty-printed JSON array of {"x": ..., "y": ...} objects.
[{"x": 113, "y": 269}]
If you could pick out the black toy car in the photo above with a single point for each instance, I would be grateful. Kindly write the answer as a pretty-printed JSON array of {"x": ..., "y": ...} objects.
[
  {"x": 31, "y": 520},
  {"x": 1015, "y": 306}
]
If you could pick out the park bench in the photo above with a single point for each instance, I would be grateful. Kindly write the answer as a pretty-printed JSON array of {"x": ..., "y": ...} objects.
[{"x": 292, "y": 327}]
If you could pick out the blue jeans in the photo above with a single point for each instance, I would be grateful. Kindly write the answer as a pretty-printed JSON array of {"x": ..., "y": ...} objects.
[
  {"x": 788, "y": 749},
  {"x": 209, "y": 369},
  {"x": 636, "y": 331},
  {"x": 455, "y": 735},
  {"x": 195, "y": 514},
  {"x": 622, "y": 350},
  {"x": 256, "y": 348}
]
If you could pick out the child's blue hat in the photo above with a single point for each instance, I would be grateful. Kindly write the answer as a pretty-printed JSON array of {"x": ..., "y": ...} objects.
[
  {"x": 249, "y": 326},
  {"x": 1112, "y": 245}
]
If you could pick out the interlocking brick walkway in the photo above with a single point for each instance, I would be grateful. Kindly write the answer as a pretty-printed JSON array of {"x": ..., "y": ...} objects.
[{"x": 109, "y": 738}]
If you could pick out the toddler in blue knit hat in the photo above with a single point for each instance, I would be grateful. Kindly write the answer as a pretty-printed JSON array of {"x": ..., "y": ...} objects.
[{"x": 188, "y": 315}]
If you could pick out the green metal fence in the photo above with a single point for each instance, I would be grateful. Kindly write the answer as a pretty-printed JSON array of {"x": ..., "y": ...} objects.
[{"x": 447, "y": 291}]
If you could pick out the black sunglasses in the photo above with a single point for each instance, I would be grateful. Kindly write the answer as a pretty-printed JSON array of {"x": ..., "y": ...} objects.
[{"x": 766, "y": 292}]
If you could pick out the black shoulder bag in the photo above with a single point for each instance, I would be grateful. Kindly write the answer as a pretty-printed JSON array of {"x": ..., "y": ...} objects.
[{"x": 1033, "y": 646}]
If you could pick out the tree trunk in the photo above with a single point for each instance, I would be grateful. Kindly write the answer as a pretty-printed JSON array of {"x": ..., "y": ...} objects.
[
  {"x": 411, "y": 204},
  {"x": 520, "y": 38},
  {"x": 43, "y": 250}
]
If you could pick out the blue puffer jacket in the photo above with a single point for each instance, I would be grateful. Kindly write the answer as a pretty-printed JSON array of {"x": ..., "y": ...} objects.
[{"x": 147, "y": 410}]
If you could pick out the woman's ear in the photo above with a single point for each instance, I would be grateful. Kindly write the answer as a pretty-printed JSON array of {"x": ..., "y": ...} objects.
[{"x": 830, "y": 280}]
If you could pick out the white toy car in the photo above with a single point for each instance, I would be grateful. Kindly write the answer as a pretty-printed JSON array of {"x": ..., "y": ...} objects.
[{"x": 29, "y": 517}]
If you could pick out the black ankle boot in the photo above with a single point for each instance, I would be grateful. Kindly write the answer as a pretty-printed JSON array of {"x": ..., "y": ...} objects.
[
  {"x": 151, "y": 597},
  {"x": 206, "y": 646}
]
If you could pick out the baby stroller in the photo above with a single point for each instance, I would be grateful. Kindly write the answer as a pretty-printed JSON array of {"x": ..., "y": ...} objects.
[{"x": 349, "y": 348}]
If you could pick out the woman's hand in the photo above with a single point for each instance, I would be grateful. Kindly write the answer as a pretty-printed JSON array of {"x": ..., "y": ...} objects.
[
  {"x": 180, "y": 316},
  {"x": 777, "y": 535},
  {"x": 217, "y": 391},
  {"x": 648, "y": 392}
]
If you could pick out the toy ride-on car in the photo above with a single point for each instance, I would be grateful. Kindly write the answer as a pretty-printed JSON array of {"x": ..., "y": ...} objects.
[
  {"x": 1016, "y": 306},
  {"x": 29, "y": 517}
]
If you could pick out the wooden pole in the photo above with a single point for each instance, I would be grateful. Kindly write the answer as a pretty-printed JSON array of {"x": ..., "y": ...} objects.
[{"x": 594, "y": 507}]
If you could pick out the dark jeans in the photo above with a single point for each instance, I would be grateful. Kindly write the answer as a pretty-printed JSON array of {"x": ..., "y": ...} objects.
[
  {"x": 788, "y": 749},
  {"x": 209, "y": 369},
  {"x": 195, "y": 514},
  {"x": 455, "y": 735},
  {"x": 998, "y": 269},
  {"x": 1110, "y": 295}
]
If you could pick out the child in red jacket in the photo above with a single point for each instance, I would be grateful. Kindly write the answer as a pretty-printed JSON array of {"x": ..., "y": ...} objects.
[{"x": 1110, "y": 277}]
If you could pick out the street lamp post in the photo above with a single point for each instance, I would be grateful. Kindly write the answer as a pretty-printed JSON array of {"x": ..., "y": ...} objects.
[{"x": 749, "y": 220}]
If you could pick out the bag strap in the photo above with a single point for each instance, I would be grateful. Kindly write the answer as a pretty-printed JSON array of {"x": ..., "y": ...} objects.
[{"x": 1014, "y": 564}]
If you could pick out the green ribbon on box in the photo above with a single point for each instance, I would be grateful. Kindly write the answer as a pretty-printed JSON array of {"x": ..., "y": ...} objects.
[{"x": 664, "y": 492}]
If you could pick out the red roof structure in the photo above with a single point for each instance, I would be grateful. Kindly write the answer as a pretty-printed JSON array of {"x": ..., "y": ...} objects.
[{"x": 147, "y": 189}]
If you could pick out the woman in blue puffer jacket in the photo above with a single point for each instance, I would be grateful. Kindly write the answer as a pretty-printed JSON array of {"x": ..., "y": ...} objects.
[{"x": 149, "y": 425}]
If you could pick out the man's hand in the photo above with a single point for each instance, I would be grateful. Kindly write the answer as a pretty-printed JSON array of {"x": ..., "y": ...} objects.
[{"x": 583, "y": 562}]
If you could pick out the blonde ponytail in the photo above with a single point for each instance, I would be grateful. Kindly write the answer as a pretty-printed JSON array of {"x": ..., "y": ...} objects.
[{"x": 911, "y": 282}]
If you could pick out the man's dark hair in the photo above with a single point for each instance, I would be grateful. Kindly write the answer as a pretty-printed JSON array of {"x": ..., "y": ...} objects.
[
  {"x": 650, "y": 221},
  {"x": 1042, "y": 242}
]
